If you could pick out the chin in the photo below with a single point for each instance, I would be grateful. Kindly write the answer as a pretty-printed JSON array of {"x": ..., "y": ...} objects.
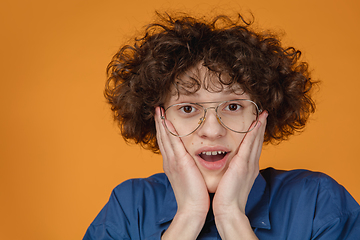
[
  {"x": 212, "y": 184},
  {"x": 212, "y": 189}
]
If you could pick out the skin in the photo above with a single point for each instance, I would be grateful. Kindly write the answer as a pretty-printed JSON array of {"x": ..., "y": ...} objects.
[{"x": 192, "y": 181}]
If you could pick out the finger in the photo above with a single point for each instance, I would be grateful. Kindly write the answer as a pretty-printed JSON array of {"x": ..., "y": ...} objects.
[
  {"x": 172, "y": 146},
  {"x": 247, "y": 142},
  {"x": 251, "y": 145},
  {"x": 258, "y": 135},
  {"x": 158, "y": 125},
  {"x": 164, "y": 137},
  {"x": 160, "y": 136},
  {"x": 174, "y": 141},
  {"x": 259, "y": 140}
]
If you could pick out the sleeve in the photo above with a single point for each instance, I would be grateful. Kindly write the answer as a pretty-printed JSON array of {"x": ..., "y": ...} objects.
[
  {"x": 337, "y": 214},
  {"x": 346, "y": 227},
  {"x": 103, "y": 232},
  {"x": 103, "y": 227},
  {"x": 130, "y": 213}
]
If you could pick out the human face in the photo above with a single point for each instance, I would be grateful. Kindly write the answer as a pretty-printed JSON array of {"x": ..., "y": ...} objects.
[{"x": 211, "y": 137}]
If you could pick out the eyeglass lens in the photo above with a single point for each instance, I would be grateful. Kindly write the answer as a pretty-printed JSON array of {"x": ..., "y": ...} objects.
[{"x": 236, "y": 115}]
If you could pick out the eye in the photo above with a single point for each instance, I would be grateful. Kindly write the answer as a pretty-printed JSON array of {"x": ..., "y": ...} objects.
[
  {"x": 233, "y": 107},
  {"x": 187, "y": 109}
]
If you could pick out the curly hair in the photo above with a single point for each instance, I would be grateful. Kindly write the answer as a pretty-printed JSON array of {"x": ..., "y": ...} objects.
[{"x": 141, "y": 76}]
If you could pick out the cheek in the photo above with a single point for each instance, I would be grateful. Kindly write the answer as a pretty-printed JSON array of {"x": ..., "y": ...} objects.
[
  {"x": 188, "y": 142},
  {"x": 237, "y": 138}
]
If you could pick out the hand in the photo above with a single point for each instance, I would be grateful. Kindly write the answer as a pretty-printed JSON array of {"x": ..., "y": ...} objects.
[
  {"x": 187, "y": 182},
  {"x": 234, "y": 188}
]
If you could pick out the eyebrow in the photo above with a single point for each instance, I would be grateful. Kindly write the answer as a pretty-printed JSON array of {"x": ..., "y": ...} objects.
[
  {"x": 237, "y": 91},
  {"x": 194, "y": 95}
]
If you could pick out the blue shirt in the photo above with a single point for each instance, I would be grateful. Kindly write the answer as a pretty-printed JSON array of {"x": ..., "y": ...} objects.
[{"x": 295, "y": 205}]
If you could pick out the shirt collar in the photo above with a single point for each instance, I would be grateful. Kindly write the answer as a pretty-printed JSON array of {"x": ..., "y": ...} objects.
[{"x": 257, "y": 207}]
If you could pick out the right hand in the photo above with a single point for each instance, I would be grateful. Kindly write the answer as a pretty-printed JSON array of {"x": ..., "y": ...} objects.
[{"x": 188, "y": 184}]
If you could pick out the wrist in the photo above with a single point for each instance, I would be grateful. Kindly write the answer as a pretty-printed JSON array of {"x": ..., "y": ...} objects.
[
  {"x": 185, "y": 226},
  {"x": 234, "y": 225}
]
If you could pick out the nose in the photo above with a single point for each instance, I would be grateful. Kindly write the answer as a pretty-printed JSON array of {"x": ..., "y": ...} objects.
[{"x": 211, "y": 127}]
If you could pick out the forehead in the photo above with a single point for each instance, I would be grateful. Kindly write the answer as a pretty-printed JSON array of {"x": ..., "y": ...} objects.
[
  {"x": 201, "y": 77},
  {"x": 199, "y": 84}
]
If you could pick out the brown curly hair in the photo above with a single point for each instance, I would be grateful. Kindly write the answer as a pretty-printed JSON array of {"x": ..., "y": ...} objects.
[{"x": 140, "y": 77}]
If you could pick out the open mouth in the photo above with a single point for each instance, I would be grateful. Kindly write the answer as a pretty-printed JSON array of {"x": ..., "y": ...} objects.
[{"x": 213, "y": 156}]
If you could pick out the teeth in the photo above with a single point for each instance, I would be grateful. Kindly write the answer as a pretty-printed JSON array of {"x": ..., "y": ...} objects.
[{"x": 213, "y": 153}]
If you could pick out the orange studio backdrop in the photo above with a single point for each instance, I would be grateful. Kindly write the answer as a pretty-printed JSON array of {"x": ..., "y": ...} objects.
[{"x": 61, "y": 154}]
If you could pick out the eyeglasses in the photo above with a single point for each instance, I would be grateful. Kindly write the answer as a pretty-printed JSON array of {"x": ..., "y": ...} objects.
[{"x": 236, "y": 115}]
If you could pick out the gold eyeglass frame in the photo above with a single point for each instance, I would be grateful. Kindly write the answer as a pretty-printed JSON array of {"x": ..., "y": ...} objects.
[{"x": 202, "y": 119}]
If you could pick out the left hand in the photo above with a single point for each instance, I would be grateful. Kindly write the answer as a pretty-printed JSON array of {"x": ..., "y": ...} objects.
[{"x": 234, "y": 188}]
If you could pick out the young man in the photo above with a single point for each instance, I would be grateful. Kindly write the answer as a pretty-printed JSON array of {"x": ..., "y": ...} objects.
[{"x": 207, "y": 95}]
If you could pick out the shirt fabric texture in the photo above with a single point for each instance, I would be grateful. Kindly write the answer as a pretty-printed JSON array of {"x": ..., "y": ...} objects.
[{"x": 295, "y": 205}]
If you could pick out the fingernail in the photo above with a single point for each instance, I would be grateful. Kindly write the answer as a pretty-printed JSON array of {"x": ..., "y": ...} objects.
[{"x": 266, "y": 114}]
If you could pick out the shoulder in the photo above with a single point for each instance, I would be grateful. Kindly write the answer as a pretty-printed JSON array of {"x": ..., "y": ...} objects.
[
  {"x": 156, "y": 182},
  {"x": 133, "y": 191},
  {"x": 131, "y": 210},
  {"x": 271, "y": 175},
  {"x": 311, "y": 187},
  {"x": 318, "y": 195},
  {"x": 301, "y": 179}
]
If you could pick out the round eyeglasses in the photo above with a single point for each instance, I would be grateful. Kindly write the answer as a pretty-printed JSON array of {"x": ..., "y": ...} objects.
[{"x": 236, "y": 115}]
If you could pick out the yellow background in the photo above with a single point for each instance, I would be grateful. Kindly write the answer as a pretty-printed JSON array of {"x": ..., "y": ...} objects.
[{"x": 61, "y": 154}]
